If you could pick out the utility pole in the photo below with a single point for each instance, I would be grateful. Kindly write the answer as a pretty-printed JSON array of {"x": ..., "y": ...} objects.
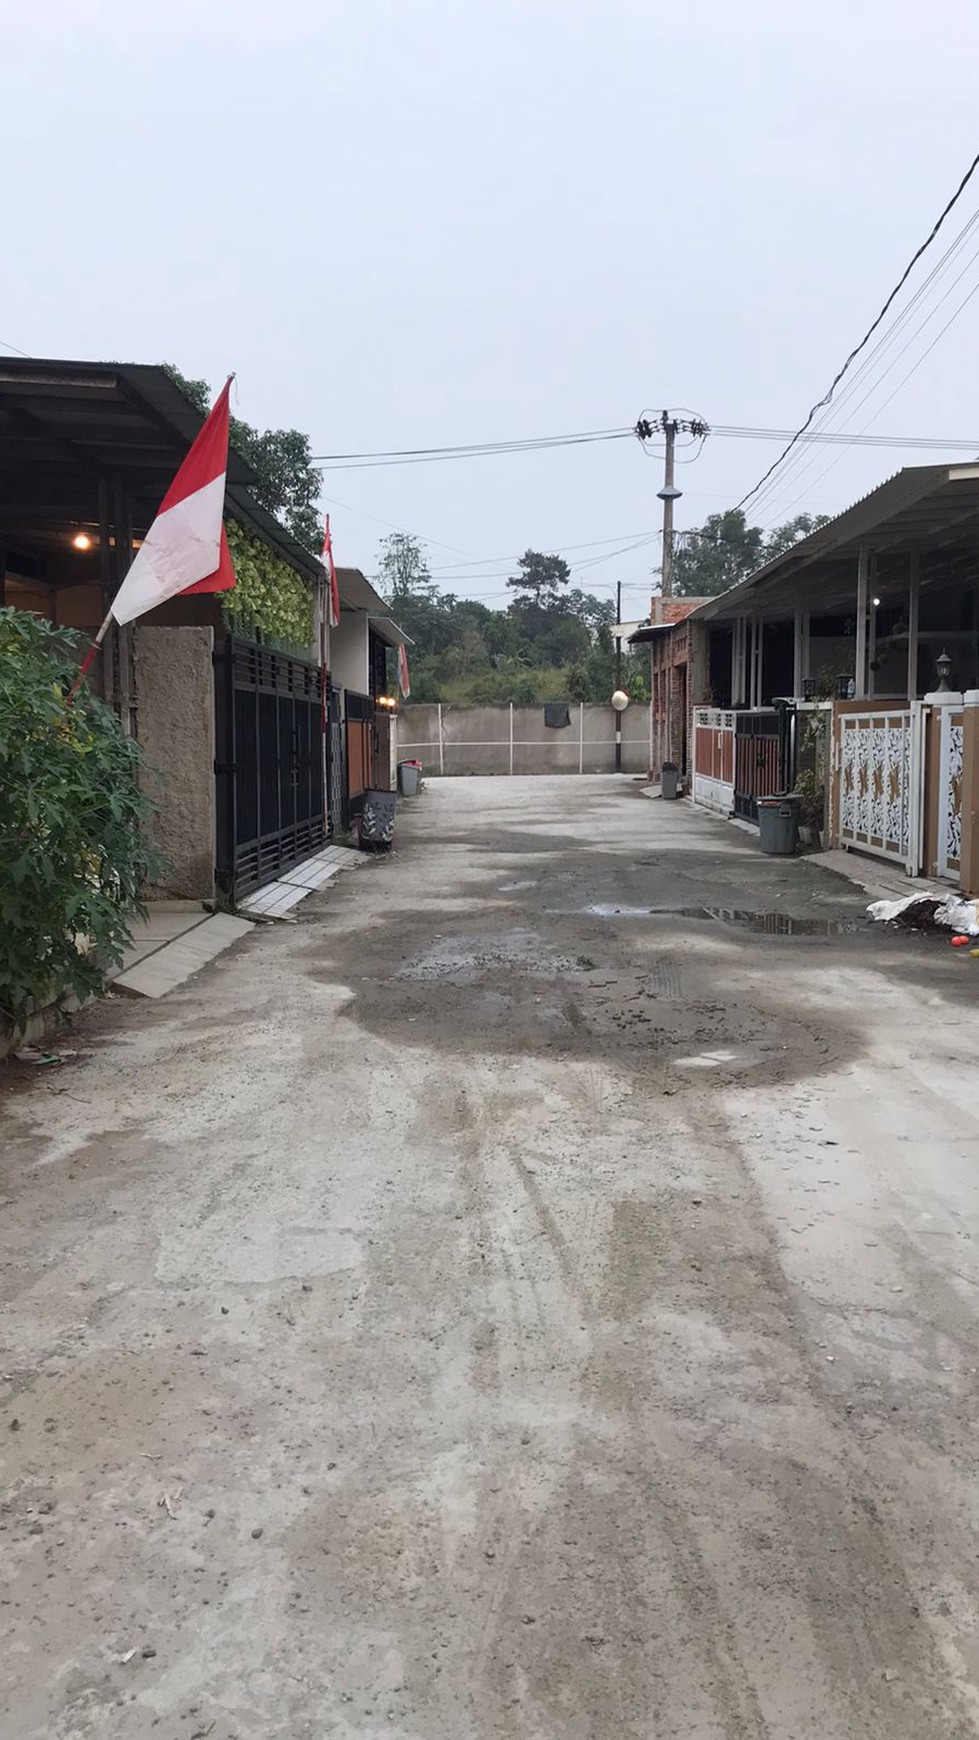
[
  {"x": 618, "y": 673},
  {"x": 668, "y": 495},
  {"x": 668, "y": 425}
]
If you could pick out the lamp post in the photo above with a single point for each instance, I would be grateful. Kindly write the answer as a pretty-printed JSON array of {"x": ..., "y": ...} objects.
[{"x": 620, "y": 702}]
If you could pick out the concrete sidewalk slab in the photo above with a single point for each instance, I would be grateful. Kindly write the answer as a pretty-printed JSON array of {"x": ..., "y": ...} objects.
[
  {"x": 278, "y": 898},
  {"x": 879, "y": 879},
  {"x": 168, "y": 966}
]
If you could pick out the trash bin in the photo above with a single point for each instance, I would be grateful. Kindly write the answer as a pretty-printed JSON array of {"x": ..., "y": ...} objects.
[
  {"x": 669, "y": 780},
  {"x": 375, "y": 824},
  {"x": 409, "y": 773},
  {"x": 778, "y": 825}
]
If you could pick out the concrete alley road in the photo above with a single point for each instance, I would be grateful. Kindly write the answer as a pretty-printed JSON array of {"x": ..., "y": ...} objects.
[{"x": 521, "y": 1298}]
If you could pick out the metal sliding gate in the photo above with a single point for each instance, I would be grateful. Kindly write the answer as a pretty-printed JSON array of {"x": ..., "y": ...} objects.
[
  {"x": 880, "y": 783},
  {"x": 950, "y": 756},
  {"x": 336, "y": 767},
  {"x": 764, "y": 756},
  {"x": 270, "y": 797}
]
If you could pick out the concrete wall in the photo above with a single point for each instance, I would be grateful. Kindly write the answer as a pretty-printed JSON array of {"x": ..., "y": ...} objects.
[
  {"x": 477, "y": 740},
  {"x": 349, "y": 663},
  {"x": 175, "y": 710}
]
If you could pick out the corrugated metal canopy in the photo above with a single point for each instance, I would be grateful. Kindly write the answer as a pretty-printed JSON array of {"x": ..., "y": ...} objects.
[
  {"x": 357, "y": 593},
  {"x": 928, "y": 507},
  {"x": 389, "y": 632},
  {"x": 66, "y": 425}
]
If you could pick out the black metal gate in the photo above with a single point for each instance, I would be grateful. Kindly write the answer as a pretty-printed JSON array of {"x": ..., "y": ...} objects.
[
  {"x": 764, "y": 756},
  {"x": 270, "y": 797},
  {"x": 336, "y": 768}
]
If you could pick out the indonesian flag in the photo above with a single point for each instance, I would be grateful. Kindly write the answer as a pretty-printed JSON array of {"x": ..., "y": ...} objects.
[
  {"x": 186, "y": 548},
  {"x": 403, "y": 683},
  {"x": 330, "y": 567}
]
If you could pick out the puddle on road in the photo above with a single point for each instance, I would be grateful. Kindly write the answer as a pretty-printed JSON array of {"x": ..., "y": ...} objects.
[
  {"x": 623, "y": 912},
  {"x": 761, "y": 923},
  {"x": 463, "y": 960}
]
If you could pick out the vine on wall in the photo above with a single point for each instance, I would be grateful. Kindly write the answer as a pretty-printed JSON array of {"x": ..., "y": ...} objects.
[{"x": 269, "y": 600}]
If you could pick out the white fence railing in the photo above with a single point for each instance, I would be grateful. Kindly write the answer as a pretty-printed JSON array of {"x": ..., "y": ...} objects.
[{"x": 474, "y": 739}]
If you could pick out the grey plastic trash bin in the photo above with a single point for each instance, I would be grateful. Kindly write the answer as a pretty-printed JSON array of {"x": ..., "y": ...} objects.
[
  {"x": 778, "y": 825},
  {"x": 408, "y": 772},
  {"x": 669, "y": 780}
]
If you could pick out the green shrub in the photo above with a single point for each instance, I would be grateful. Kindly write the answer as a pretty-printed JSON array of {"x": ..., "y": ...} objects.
[{"x": 73, "y": 855}]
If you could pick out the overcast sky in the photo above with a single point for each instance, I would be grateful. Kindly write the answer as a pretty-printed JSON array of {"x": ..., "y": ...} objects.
[{"x": 412, "y": 222}]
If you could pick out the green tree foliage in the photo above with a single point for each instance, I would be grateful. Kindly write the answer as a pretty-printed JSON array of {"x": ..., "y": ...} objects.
[
  {"x": 287, "y": 484},
  {"x": 73, "y": 851},
  {"x": 725, "y": 550},
  {"x": 540, "y": 578},
  {"x": 553, "y": 642},
  {"x": 402, "y": 568}
]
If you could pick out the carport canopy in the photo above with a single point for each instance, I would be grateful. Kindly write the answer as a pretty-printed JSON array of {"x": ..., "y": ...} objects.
[{"x": 87, "y": 452}]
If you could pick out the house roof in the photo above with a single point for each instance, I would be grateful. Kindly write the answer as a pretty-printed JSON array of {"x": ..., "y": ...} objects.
[
  {"x": 647, "y": 631},
  {"x": 66, "y": 425},
  {"x": 357, "y": 593},
  {"x": 923, "y": 507},
  {"x": 389, "y": 632}
]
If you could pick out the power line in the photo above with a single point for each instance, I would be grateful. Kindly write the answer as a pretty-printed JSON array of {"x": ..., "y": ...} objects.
[
  {"x": 15, "y": 348},
  {"x": 855, "y": 352},
  {"x": 738, "y": 432},
  {"x": 801, "y": 463},
  {"x": 471, "y": 450},
  {"x": 905, "y": 378},
  {"x": 841, "y": 438},
  {"x": 551, "y": 549}
]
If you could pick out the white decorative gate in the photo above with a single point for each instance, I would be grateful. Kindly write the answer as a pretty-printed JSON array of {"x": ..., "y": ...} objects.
[
  {"x": 880, "y": 784},
  {"x": 950, "y": 792}
]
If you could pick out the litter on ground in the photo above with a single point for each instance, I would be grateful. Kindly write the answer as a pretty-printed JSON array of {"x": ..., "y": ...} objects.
[{"x": 929, "y": 912}]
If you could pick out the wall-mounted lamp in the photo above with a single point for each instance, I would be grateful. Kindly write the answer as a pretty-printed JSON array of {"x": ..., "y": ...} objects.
[{"x": 82, "y": 541}]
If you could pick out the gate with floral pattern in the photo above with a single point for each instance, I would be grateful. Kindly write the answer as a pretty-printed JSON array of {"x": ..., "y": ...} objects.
[
  {"x": 879, "y": 783},
  {"x": 950, "y": 792}
]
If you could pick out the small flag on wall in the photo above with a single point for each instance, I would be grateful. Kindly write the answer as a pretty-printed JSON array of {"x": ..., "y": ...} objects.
[
  {"x": 330, "y": 566},
  {"x": 403, "y": 681}
]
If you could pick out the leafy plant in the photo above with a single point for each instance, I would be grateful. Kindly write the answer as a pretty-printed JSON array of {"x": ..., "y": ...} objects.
[
  {"x": 269, "y": 598},
  {"x": 73, "y": 853},
  {"x": 810, "y": 782}
]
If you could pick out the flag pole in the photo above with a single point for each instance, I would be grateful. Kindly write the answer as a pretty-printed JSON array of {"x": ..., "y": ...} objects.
[{"x": 88, "y": 660}]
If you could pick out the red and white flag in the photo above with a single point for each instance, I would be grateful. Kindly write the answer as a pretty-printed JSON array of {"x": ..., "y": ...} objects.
[
  {"x": 186, "y": 548},
  {"x": 403, "y": 683},
  {"x": 330, "y": 566}
]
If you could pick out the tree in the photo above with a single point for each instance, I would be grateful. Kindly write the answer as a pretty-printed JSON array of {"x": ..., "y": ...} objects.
[
  {"x": 725, "y": 550},
  {"x": 716, "y": 555},
  {"x": 783, "y": 537},
  {"x": 540, "y": 578},
  {"x": 403, "y": 570},
  {"x": 287, "y": 483}
]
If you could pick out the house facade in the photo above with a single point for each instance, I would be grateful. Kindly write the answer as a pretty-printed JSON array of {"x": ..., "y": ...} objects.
[
  {"x": 851, "y": 664},
  {"x": 230, "y": 696}
]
